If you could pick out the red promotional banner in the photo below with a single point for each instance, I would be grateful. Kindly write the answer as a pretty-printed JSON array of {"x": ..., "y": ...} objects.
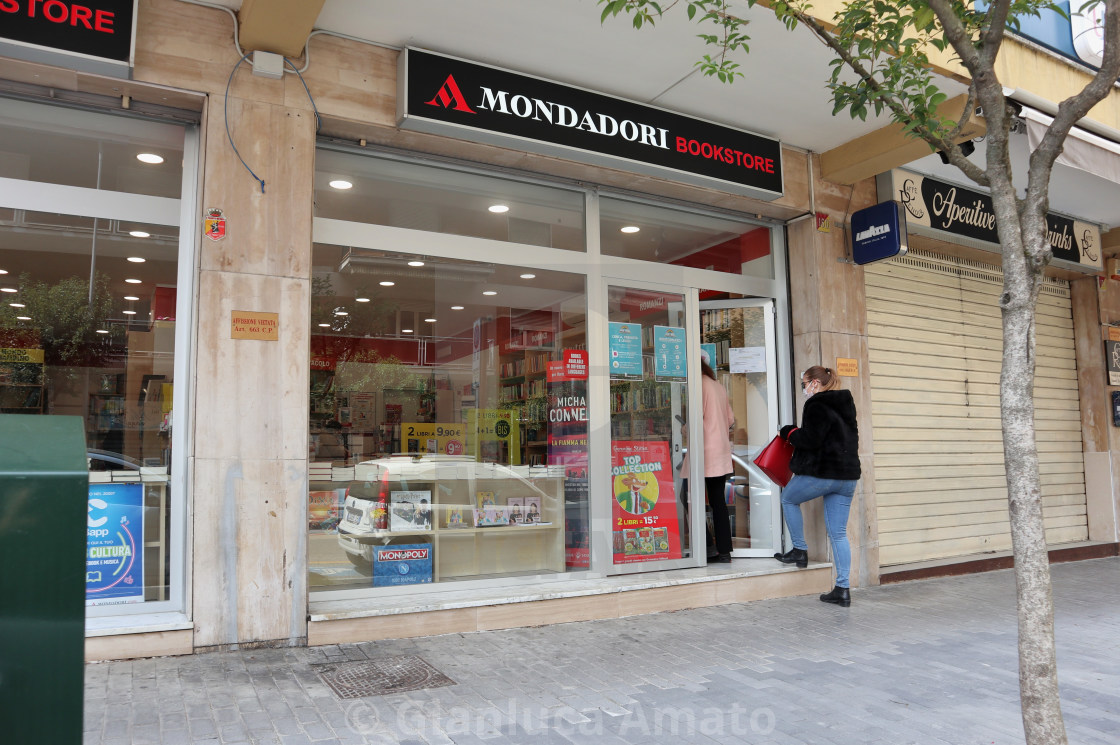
[
  {"x": 572, "y": 367},
  {"x": 645, "y": 502}
]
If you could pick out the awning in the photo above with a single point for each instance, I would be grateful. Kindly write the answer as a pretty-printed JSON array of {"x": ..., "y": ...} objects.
[{"x": 1082, "y": 150}]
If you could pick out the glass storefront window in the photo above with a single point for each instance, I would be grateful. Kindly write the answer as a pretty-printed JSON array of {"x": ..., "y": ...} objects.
[
  {"x": 439, "y": 200},
  {"x": 72, "y": 147},
  {"x": 87, "y": 330},
  {"x": 448, "y": 420},
  {"x": 656, "y": 233}
]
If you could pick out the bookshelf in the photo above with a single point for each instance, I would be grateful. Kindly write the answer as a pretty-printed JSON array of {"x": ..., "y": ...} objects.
[{"x": 21, "y": 384}]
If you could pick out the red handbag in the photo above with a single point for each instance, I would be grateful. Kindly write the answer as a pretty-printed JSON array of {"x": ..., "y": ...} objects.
[{"x": 774, "y": 461}]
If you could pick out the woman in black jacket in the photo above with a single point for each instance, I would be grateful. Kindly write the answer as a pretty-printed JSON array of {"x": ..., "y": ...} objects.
[{"x": 825, "y": 463}]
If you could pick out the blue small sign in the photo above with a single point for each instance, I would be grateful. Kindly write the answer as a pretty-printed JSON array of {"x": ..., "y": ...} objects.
[
  {"x": 669, "y": 356},
  {"x": 710, "y": 351},
  {"x": 878, "y": 233},
  {"x": 626, "y": 349},
  {"x": 114, "y": 544},
  {"x": 402, "y": 565}
]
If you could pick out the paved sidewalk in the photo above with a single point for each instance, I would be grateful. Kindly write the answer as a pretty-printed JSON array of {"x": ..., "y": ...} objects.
[{"x": 921, "y": 663}]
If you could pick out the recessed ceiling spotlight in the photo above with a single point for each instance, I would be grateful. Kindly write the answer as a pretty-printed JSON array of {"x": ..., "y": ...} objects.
[
  {"x": 17, "y": 305},
  {"x": 528, "y": 276},
  {"x": 3, "y": 271},
  {"x": 429, "y": 320},
  {"x": 456, "y": 307},
  {"x": 498, "y": 209},
  {"x": 341, "y": 184},
  {"x": 489, "y": 292},
  {"x": 131, "y": 297},
  {"x": 630, "y": 229},
  {"x": 361, "y": 299},
  {"x": 137, "y": 259},
  {"x": 129, "y": 312},
  {"x": 386, "y": 283},
  {"x": 102, "y": 331},
  {"x": 23, "y": 318},
  {"x": 133, "y": 281},
  {"x": 151, "y": 158},
  {"x": 406, "y": 331},
  {"x": 8, "y": 289},
  {"x": 416, "y": 263},
  {"x": 341, "y": 313},
  {"x": 324, "y": 325},
  {"x": 139, "y": 234}
]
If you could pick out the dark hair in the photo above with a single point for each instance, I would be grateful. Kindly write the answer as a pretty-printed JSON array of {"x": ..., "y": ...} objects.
[
  {"x": 707, "y": 370},
  {"x": 824, "y": 375}
]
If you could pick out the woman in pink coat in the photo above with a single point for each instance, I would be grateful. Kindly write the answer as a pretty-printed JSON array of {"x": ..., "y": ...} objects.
[{"x": 718, "y": 421}]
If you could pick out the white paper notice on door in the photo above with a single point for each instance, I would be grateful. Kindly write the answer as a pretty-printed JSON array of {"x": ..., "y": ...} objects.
[{"x": 747, "y": 359}]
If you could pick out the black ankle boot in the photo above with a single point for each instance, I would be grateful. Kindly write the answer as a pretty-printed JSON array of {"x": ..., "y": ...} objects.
[
  {"x": 839, "y": 595},
  {"x": 797, "y": 556}
]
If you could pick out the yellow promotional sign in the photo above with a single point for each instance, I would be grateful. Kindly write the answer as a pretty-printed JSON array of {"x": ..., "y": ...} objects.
[
  {"x": 495, "y": 435},
  {"x": 428, "y": 437},
  {"x": 21, "y": 355}
]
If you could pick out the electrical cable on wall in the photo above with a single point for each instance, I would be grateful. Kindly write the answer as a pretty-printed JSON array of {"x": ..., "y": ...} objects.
[
  {"x": 226, "y": 113},
  {"x": 318, "y": 119}
]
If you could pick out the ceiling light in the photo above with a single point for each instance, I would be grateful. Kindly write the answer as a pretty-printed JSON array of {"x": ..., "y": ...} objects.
[
  {"x": 136, "y": 259},
  {"x": 406, "y": 331},
  {"x": 498, "y": 209},
  {"x": 630, "y": 229},
  {"x": 129, "y": 312},
  {"x": 528, "y": 276},
  {"x": 489, "y": 292},
  {"x": 429, "y": 320},
  {"x": 102, "y": 331},
  {"x": 17, "y": 305},
  {"x": 149, "y": 158},
  {"x": 8, "y": 289},
  {"x": 456, "y": 307},
  {"x": 133, "y": 281},
  {"x": 3, "y": 271},
  {"x": 386, "y": 283},
  {"x": 131, "y": 297},
  {"x": 416, "y": 263},
  {"x": 341, "y": 313},
  {"x": 324, "y": 325},
  {"x": 23, "y": 318},
  {"x": 361, "y": 299},
  {"x": 341, "y": 184},
  {"x": 139, "y": 234}
]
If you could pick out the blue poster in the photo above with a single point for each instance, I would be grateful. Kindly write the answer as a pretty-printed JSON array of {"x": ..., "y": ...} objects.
[
  {"x": 402, "y": 565},
  {"x": 114, "y": 544},
  {"x": 669, "y": 355},
  {"x": 626, "y": 349},
  {"x": 710, "y": 351}
]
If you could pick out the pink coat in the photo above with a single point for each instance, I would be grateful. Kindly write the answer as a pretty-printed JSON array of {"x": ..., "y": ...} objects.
[{"x": 718, "y": 420}]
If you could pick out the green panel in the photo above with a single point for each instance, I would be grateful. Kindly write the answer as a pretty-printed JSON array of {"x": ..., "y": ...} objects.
[{"x": 44, "y": 487}]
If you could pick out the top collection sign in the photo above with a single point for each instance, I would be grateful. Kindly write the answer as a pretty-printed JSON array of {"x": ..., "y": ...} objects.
[
  {"x": 450, "y": 96},
  {"x": 93, "y": 35}
]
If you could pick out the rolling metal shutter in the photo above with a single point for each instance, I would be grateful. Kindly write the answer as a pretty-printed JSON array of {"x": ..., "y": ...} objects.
[{"x": 935, "y": 338}]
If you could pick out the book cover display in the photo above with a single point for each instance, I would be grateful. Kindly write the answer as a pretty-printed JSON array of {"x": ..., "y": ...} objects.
[
  {"x": 516, "y": 507},
  {"x": 410, "y": 510},
  {"x": 645, "y": 502},
  {"x": 491, "y": 516},
  {"x": 458, "y": 516},
  {"x": 402, "y": 565},
  {"x": 532, "y": 510}
]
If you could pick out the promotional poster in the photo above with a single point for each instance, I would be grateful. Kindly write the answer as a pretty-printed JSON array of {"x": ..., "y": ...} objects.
[
  {"x": 645, "y": 502},
  {"x": 114, "y": 544},
  {"x": 402, "y": 565}
]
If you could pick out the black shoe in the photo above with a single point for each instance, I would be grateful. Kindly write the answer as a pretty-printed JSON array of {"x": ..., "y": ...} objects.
[
  {"x": 720, "y": 559},
  {"x": 839, "y": 595},
  {"x": 797, "y": 556}
]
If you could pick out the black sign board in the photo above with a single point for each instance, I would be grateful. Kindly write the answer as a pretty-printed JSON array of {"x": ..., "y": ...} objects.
[
  {"x": 101, "y": 29},
  {"x": 446, "y": 95}
]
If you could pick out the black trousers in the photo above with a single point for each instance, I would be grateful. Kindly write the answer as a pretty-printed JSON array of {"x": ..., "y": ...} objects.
[{"x": 721, "y": 520}]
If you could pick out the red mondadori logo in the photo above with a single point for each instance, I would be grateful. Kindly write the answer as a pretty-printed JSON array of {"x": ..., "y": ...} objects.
[{"x": 449, "y": 94}]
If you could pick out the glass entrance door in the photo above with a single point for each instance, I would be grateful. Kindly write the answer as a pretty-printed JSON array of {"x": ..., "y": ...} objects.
[
  {"x": 648, "y": 363},
  {"x": 738, "y": 337}
]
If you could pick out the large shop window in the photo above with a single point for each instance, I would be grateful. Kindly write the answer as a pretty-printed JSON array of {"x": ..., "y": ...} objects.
[
  {"x": 87, "y": 320},
  {"x": 635, "y": 230},
  {"x": 448, "y": 422}
]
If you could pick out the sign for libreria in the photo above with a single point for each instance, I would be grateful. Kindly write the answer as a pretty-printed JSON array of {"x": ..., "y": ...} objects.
[
  {"x": 450, "y": 96},
  {"x": 955, "y": 210}
]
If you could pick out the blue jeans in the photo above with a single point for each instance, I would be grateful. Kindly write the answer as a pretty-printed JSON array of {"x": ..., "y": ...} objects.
[{"x": 837, "y": 495}]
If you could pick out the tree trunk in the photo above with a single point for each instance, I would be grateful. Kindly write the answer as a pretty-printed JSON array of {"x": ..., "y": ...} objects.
[{"x": 1038, "y": 669}]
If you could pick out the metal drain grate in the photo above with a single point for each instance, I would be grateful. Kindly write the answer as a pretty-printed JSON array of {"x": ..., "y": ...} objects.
[{"x": 379, "y": 677}]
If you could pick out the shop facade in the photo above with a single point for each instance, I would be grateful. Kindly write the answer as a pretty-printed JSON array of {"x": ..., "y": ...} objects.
[{"x": 403, "y": 379}]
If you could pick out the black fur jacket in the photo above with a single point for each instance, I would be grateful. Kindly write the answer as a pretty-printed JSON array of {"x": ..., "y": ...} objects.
[{"x": 826, "y": 445}]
